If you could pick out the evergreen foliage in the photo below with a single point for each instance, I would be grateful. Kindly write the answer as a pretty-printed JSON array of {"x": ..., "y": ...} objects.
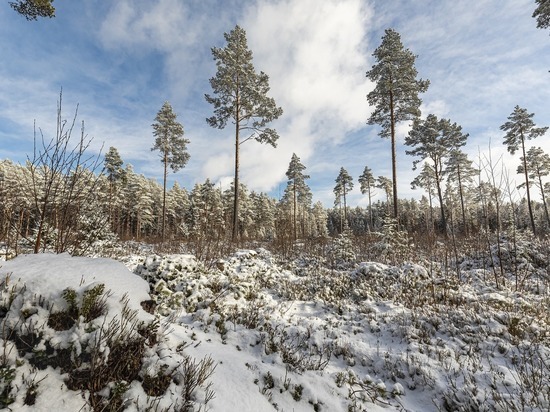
[
  {"x": 435, "y": 139},
  {"x": 459, "y": 170},
  {"x": 344, "y": 184},
  {"x": 172, "y": 146},
  {"x": 32, "y": 9},
  {"x": 542, "y": 14},
  {"x": 297, "y": 191},
  {"x": 386, "y": 185},
  {"x": 538, "y": 166},
  {"x": 426, "y": 181},
  {"x": 395, "y": 96},
  {"x": 240, "y": 94},
  {"x": 367, "y": 182},
  {"x": 519, "y": 128}
]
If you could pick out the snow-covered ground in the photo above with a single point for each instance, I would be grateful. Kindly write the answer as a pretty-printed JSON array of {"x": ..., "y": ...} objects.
[{"x": 251, "y": 333}]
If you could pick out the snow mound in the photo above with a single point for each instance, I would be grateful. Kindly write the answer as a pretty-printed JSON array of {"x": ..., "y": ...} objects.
[{"x": 75, "y": 336}]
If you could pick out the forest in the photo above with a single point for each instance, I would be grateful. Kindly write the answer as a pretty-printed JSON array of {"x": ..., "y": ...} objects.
[{"x": 118, "y": 292}]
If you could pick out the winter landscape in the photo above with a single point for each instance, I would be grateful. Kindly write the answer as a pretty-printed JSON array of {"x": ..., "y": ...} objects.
[{"x": 123, "y": 290}]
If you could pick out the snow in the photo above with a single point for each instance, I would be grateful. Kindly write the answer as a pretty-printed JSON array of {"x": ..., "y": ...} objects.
[
  {"x": 374, "y": 337},
  {"x": 49, "y": 274}
]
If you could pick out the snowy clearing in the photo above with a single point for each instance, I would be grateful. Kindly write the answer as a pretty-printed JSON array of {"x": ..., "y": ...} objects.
[{"x": 267, "y": 335}]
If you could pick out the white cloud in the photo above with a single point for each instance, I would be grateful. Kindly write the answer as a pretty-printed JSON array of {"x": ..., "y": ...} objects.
[{"x": 315, "y": 55}]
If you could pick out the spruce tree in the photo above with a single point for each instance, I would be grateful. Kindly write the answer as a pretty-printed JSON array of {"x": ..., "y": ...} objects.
[
  {"x": 172, "y": 146},
  {"x": 115, "y": 174},
  {"x": 518, "y": 128},
  {"x": 240, "y": 94},
  {"x": 435, "y": 139},
  {"x": 367, "y": 181},
  {"x": 395, "y": 96},
  {"x": 297, "y": 189}
]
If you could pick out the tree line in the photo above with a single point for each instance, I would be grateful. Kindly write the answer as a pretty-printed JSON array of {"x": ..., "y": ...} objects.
[{"x": 61, "y": 190}]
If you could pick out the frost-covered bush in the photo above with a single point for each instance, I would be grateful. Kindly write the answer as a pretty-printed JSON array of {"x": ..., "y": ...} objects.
[{"x": 108, "y": 354}]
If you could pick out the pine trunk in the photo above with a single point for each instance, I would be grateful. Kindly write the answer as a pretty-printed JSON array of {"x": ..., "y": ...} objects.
[
  {"x": 461, "y": 194},
  {"x": 294, "y": 210},
  {"x": 440, "y": 196},
  {"x": 543, "y": 196},
  {"x": 393, "y": 157},
  {"x": 236, "y": 181},
  {"x": 164, "y": 196},
  {"x": 531, "y": 217}
]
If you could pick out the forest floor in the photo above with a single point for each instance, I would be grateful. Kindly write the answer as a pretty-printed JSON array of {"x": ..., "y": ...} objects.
[{"x": 253, "y": 332}]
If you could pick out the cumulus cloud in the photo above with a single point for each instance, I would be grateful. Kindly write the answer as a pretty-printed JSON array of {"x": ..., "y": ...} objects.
[{"x": 316, "y": 56}]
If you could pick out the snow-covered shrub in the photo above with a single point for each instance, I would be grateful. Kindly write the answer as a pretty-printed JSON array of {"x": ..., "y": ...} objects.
[{"x": 90, "y": 341}]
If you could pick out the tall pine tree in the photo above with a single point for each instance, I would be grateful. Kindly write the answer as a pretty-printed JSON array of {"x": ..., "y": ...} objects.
[
  {"x": 240, "y": 94},
  {"x": 460, "y": 170},
  {"x": 395, "y": 96},
  {"x": 367, "y": 181},
  {"x": 297, "y": 190},
  {"x": 344, "y": 184},
  {"x": 426, "y": 181},
  {"x": 538, "y": 166},
  {"x": 172, "y": 146},
  {"x": 518, "y": 128},
  {"x": 435, "y": 139}
]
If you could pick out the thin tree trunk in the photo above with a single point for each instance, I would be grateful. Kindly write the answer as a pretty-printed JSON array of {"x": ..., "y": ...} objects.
[
  {"x": 345, "y": 208},
  {"x": 370, "y": 211},
  {"x": 236, "y": 181},
  {"x": 164, "y": 195},
  {"x": 393, "y": 157},
  {"x": 527, "y": 186},
  {"x": 294, "y": 210},
  {"x": 430, "y": 195},
  {"x": 543, "y": 196},
  {"x": 440, "y": 196},
  {"x": 461, "y": 194}
]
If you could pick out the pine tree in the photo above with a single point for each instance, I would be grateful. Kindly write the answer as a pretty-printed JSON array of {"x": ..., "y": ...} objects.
[
  {"x": 395, "y": 96},
  {"x": 435, "y": 139},
  {"x": 460, "y": 170},
  {"x": 32, "y": 9},
  {"x": 538, "y": 166},
  {"x": 172, "y": 146},
  {"x": 367, "y": 181},
  {"x": 297, "y": 189},
  {"x": 386, "y": 185},
  {"x": 426, "y": 181},
  {"x": 518, "y": 128},
  {"x": 542, "y": 14},
  {"x": 241, "y": 95},
  {"x": 344, "y": 184}
]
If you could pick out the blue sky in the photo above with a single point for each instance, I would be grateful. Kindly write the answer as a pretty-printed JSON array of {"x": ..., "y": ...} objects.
[{"x": 120, "y": 60}]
